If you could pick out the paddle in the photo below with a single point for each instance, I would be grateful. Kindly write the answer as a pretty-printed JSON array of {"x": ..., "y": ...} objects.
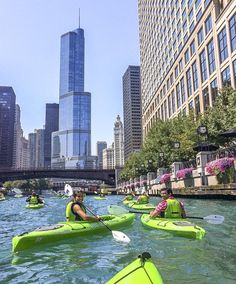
[
  {"x": 212, "y": 219},
  {"x": 117, "y": 235}
]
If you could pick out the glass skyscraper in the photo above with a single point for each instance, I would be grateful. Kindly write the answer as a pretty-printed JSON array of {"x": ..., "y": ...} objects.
[{"x": 71, "y": 145}]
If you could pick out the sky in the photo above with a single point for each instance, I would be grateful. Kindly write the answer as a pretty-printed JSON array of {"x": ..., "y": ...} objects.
[{"x": 30, "y": 32}]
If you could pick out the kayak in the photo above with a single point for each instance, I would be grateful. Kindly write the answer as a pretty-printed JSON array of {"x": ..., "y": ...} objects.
[
  {"x": 100, "y": 198},
  {"x": 180, "y": 227},
  {"x": 18, "y": 195},
  {"x": 142, "y": 270},
  {"x": 66, "y": 230},
  {"x": 34, "y": 206},
  {"x": 137, "y": 206},
  {"x": 126, "y": 202},
  {"x": 2, "y": 198}
]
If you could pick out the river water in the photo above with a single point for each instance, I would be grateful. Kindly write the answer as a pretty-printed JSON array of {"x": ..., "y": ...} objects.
[{"x": 95, "y": 259}]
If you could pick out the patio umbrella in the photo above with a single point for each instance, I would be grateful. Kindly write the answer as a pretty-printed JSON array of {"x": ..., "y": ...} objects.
[{"x": 229, "y": 133}]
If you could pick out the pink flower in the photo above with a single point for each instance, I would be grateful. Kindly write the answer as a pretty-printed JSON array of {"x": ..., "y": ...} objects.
[
  {"x": 165, "y": 178},
  {"x": 219, "y": 166},
  {"x": 184, "y": 173}
]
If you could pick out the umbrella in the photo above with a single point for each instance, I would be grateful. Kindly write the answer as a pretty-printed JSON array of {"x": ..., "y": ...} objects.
[
  {"x": 229, "y": 133},
  {"x": 205, "y": 147}
]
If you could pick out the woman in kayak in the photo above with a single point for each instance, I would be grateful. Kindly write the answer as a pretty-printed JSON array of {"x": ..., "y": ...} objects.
[
  {"x": 34, "y": 199},
  {"x": 130, "y": 196},
  {"x": 169, "y": 207},
  {"x": 143, "y": 198},
  {"x": 76, "y": 211}
]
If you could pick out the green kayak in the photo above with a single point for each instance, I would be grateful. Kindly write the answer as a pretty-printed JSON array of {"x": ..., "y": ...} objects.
[
  {"x": 126, "y": 202},
  {"x": 139, "y": 206},
  {"x": 142, "y": 270},
  {"x": 100, "y": 198},
  {"x": 180, "y": 227},
  {"x": 66, "y": 230},
  {"x": 34, "y": 206}
]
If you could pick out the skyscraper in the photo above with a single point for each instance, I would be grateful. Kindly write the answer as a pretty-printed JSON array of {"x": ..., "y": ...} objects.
[
  {"x": 7, "y": 120},
  {"x": 101, "y": 145},
  {"x": 187, "y": 51},
  {"x": 51, "y": 125},
  {"x": 72, "y": 143},
  {"x": 132, "y": 111},
  {"x": 118, "y": 143}
]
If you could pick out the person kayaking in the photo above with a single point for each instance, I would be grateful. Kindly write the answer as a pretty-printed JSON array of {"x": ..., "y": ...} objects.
[
  {"x": 169, "y": 207},
  {"x": 143, "y": 198},
  {"x": 130, "y": 196},
  {"x": 34, "y": 199},
  {"x": 76, "y": 211}
]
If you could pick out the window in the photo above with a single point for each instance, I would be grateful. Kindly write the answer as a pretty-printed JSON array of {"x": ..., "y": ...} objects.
[
  {"x": 234, "y": 66},
  {"x": 206, "y": 101},
  {"x": 200, "y": 36},
  {"x": 190, "y": 105},
  {"x": 189, "y": 82},
  {"x": 173, "y": 102},
  {"x": 183, "y": 98},
  {"x": 180, "y": 65},
  {"x": 206, "y": 2},
  {"x": 197, "y": 105},
  {"x": 191, "y": 28},
  {"x": 203, "y": 66},
  {"x": 222, "y": 40},
  {"x": 178, "y": 95},
  {"x": 208, "y": 25},
  {"x": 169, "y": 106},
  {"x": 213, "y": 90},
  {"x": 184, "y": 26},
  {"x": 190, "y": 15},
  {"x": 199, "y": 15},
  {"x": 211, "y": 57},
  {"x": 176, "y": 72},
  {"x": 171, "y": 79},
  {"x": 190, "y": 2},
  {"x": 197, "y": 3},
  {"x": 186, "y": 56},
  {"x": 195, "y": 76},
  {"x": 232, "y": 28},
  {"x": 192, "y": 47},
  {"x": 225, "y": 74}
]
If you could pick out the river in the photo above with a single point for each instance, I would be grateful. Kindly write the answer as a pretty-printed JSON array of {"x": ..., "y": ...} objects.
[{"x": 95, "y": 259}]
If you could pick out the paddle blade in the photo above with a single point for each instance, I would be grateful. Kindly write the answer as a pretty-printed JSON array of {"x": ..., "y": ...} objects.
[
  {"x": 214, "y": 219},
  {"x": 120, "y": 237},
  {"x": 116, "y": 210},
  {"x": 17, "y": 190},
  {"x": 68, "y": 190}
]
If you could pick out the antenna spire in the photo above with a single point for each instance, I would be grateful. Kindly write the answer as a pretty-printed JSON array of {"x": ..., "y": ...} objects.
[{"x": 79, "y": 17}]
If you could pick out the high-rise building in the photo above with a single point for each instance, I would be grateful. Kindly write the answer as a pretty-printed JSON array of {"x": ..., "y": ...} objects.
[
  {"x": 24, "y": 164},
  {"x": 18, "y": 134},
  {"x": 32, "y": 150},
  {"x": 51, "y": 125},
  {"x": 7, "y": 120},
  {"x": 108, "y": 158},
  {"x": 188, "y": 51},
  {"x": 71, "y": 145},
  {"x": 118, "y": 143},
  {"x": 101, "y": 145},
  {"x": 132, "y": 111},
  {"x": 36, "y": 148}
]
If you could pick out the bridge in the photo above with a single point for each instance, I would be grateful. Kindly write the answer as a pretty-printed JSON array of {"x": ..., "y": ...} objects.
[{"x": 108, "y": 176}]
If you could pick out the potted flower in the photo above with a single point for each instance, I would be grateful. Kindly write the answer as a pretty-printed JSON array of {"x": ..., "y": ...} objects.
[
  {"x": 223, "y": 169},
  {"x": 165, "y": 179},
  {"x": 186, "y": 175}
]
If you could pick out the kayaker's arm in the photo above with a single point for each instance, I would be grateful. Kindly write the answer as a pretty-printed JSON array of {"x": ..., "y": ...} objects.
[{"x": 83, "y": 215}]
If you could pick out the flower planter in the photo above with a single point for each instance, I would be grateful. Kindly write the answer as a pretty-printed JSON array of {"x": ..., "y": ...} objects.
[{"x": 188, "y": 182}]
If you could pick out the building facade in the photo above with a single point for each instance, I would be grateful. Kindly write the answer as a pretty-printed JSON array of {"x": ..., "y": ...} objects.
[
  {"x": 7, "y": 121},
  {"x": 108, "y": 158},
  {"x": 132, "y": 111},
  {"x": 36, "y": 149},
  {"x": 188, "y": 52},
  {"x": 51, "y": 125},
  {"x": 118, "y": 143},
  {"x": 101, "y": 145},
  {"x": 71, "y": 145},
  {"x": 18, "y": 134}
]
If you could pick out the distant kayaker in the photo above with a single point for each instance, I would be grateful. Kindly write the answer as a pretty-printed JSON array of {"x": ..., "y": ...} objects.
[
  {"x": 76, "y": 211},
  {"x": 130, "y": 196},
  {"x": 143, "y": 198},
  {"x": 34, "y": 199},
  {"x": 169, "y": 207}
]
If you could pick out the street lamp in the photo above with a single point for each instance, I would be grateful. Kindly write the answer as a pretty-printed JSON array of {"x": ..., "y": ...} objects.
[{"x": 176, "y": 145}]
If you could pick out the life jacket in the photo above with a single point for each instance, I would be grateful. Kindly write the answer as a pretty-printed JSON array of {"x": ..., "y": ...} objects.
[
  {"x": 173, "y": 209},
  {"x": 129, "y": 197},
  {"x": 70, "y": 214},
  {"x": 143, "y": 199},
  {"x": 33, "y": 200}
]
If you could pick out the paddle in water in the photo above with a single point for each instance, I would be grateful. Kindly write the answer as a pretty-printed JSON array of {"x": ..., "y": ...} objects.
[
  {"x": 117, "y": 235},
  {"x": 117, "y": 210}
]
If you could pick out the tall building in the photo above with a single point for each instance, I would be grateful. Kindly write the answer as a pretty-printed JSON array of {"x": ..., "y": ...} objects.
[
  {"x": 24, "y": 164},
  {"x": 132, "y": 111},
  {"x": 71, "y": 145},
  {"x": 108, "y": 158},
  {"x": 7, "y": 121},
  {"x": 51, "y": 125},
  {"x": 101, "y": 145},
  {"x": 188, "y": 51},
  {"x": 32, "y": 150},
  {"x": 36, "y": 149},
  {"x": 18, "y": 134},
  {"x": 118, "y": 143}
]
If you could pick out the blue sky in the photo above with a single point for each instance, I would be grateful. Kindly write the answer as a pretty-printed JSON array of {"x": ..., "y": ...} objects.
[{"x": 30, "y": 33}]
